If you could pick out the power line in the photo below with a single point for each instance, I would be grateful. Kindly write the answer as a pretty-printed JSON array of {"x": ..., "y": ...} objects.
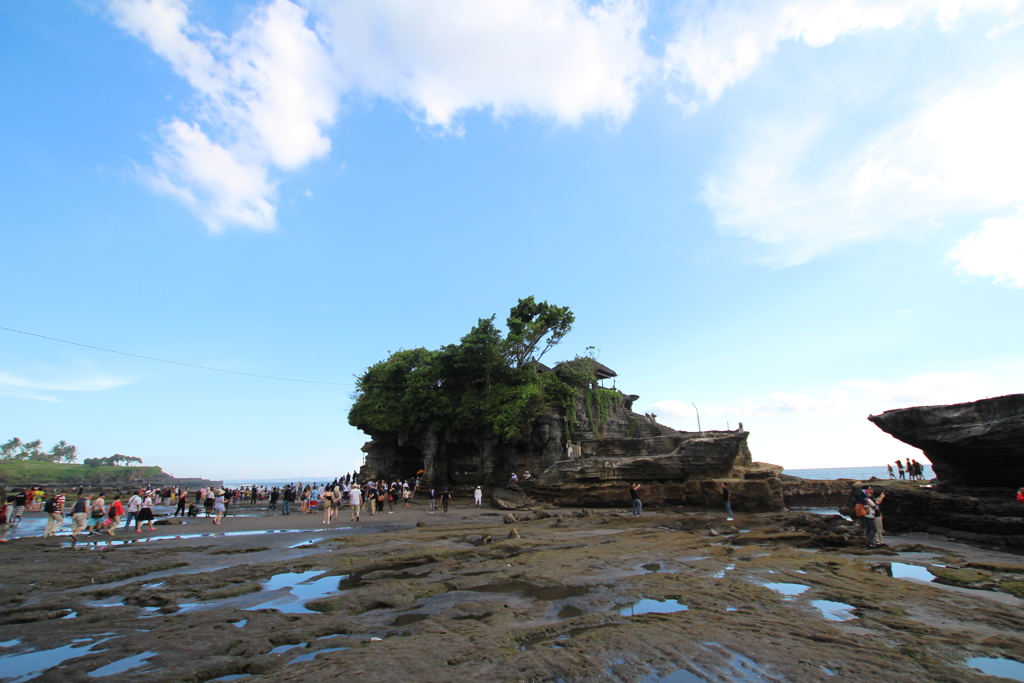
[{"x": 174, "y": 362}]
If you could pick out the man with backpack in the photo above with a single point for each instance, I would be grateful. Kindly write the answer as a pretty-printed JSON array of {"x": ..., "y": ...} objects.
[{"x": 54, "y": 509}]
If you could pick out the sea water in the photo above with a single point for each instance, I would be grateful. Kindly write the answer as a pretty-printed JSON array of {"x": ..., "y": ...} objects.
[{"x": 857, "y": 473}]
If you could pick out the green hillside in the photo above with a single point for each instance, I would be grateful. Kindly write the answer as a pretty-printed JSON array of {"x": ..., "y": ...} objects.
[{"x": 28, "y": 473}]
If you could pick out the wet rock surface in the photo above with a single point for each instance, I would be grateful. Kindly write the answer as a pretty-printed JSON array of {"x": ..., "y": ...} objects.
[{"x": 603, "y": 596}]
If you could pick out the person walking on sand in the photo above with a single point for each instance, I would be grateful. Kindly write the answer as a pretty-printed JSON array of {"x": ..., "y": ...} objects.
[
  {"x": 727, "y": 501},
  {"x": 98, "y": 514},
  {"x": 54, "y": 508},
  {"x": 79, "y": 516},
  {"x": 145, "y": 513},
  {"x": 182, "y": 503},
  {"x": 134, "y": 505},
  {"x": 325, "y": 501},
  {"x": 433, "y": 501},
  {"x": 478, "y": 497},
  {"x": 355, "y": 500},
  {"x": 114, "y": 515},
  {"x": 634, "y": 495},
  {"x": 219, "y": 507},
  {"x": 446, "y": 497}
]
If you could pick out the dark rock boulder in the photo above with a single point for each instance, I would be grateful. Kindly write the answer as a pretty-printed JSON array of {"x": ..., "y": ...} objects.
[
  {"x": 979, "y": 444},
  {"x": 511, "y": 498}
]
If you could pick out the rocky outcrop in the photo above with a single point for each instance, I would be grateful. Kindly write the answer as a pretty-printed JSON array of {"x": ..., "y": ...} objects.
[
  {"x": 996, "y": 521},
  {"x": 979, "y": 444},
  {"x": 748, "y": 495},
  {"x": 588, "y": 460}
]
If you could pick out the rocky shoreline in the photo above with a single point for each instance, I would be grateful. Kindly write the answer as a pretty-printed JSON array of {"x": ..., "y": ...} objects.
[{"x": 563, "y": 595}]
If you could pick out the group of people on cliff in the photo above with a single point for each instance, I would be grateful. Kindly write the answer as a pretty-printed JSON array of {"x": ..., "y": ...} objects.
[{"x": 914, "y": 471}]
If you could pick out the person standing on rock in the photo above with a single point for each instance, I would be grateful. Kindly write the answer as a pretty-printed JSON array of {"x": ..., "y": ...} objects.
[
  {"x": 634, "y": 494},
  {"x": 891, "y": 475},
  {"x": 899, "y": 466},
  {"x": 870, "y": 517},
  {"x": 478, "y": 497},
  {"x": 727, "y": 501}
]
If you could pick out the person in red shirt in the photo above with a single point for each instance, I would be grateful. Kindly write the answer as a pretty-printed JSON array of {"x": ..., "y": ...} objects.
[
  {"x": 114, "y": 514},
  {"x": 1020, "y": 495}
]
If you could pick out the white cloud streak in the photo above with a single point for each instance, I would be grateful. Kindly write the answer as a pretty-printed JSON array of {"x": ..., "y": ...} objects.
[
  {"x": 721, "y": 44},
  {"x": 268, "y": 93},
  {"x": 20, "y": 387}
]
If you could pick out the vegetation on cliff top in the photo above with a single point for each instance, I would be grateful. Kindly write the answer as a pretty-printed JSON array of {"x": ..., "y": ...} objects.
[
  {"x": 488, "y": 381},
  {"x": 29, "y": 472}
]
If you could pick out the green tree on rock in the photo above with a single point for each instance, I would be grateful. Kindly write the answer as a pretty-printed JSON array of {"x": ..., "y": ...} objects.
[{"x": 486, "y": 381}]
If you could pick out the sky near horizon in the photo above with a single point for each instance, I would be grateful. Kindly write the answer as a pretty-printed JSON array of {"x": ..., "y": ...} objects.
[{"x": 791, "y": 213}]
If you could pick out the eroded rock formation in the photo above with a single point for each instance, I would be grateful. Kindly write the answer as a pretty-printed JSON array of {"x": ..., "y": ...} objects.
[
  {"x": 588, "y": 460},
  {"x": 978, "y": 444}
]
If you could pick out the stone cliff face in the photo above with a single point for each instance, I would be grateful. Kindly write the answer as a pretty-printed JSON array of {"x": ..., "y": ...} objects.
[
  {"x": 979, "y": 444},
  {"x": 592, "y": 463}
]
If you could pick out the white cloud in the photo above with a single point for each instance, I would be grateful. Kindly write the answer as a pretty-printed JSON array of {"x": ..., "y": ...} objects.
[
  {"x": 830, "y": 428},
  {"x": 20, "y": 387},
  {"x": 720, "y": 45},
  {"x": 268, "y": 93},
  {"x": 265, "y": 97},
  {"x": 997, "y": 250},
  {"x": 958, "y": 153},
  {"x": 560, "y": 58}
]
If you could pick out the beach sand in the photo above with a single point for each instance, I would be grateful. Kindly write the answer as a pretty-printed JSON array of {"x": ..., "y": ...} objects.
[{"x": 609, "y": 597}]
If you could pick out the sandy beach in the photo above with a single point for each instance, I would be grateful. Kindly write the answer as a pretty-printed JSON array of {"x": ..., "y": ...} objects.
[{"x": 670, "y": 596}]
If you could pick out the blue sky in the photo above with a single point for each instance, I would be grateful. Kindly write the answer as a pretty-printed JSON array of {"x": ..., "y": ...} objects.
[{"x": 793, "y": 214}]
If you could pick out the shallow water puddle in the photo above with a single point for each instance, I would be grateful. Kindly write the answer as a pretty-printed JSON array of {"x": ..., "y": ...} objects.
[
  {"x": 738, "y": 669},
  {"x": 531, "y": 590},
  {"x": 302, "y": 588},
  {"x": 241, "y": 623},
  {"x": 790, "y": 590},
  {"x": 834, "y": 611},
  {"x": 148, "y": 539},
  {"x": 284, "y": 648},
  {"x": 312, "y": 655},
  {"x": 569, "y": 612},
  {"x": 721, "y": 573},
  {"x": 647, "y": 606},
  {"x": 901, "y": 570},
  {"x": 122, "y": 665},
  {"x": 9, "y": 643},
  {"x": 993, "y": 666},
  {"x": 27, "y": 665}
]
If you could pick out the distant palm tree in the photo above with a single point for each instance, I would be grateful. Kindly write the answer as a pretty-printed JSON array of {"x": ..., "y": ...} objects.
[
  {"x": 62, "y": 451},
  {"x": 30, "y": 450},
  {"x": 8, "y": 449}
]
